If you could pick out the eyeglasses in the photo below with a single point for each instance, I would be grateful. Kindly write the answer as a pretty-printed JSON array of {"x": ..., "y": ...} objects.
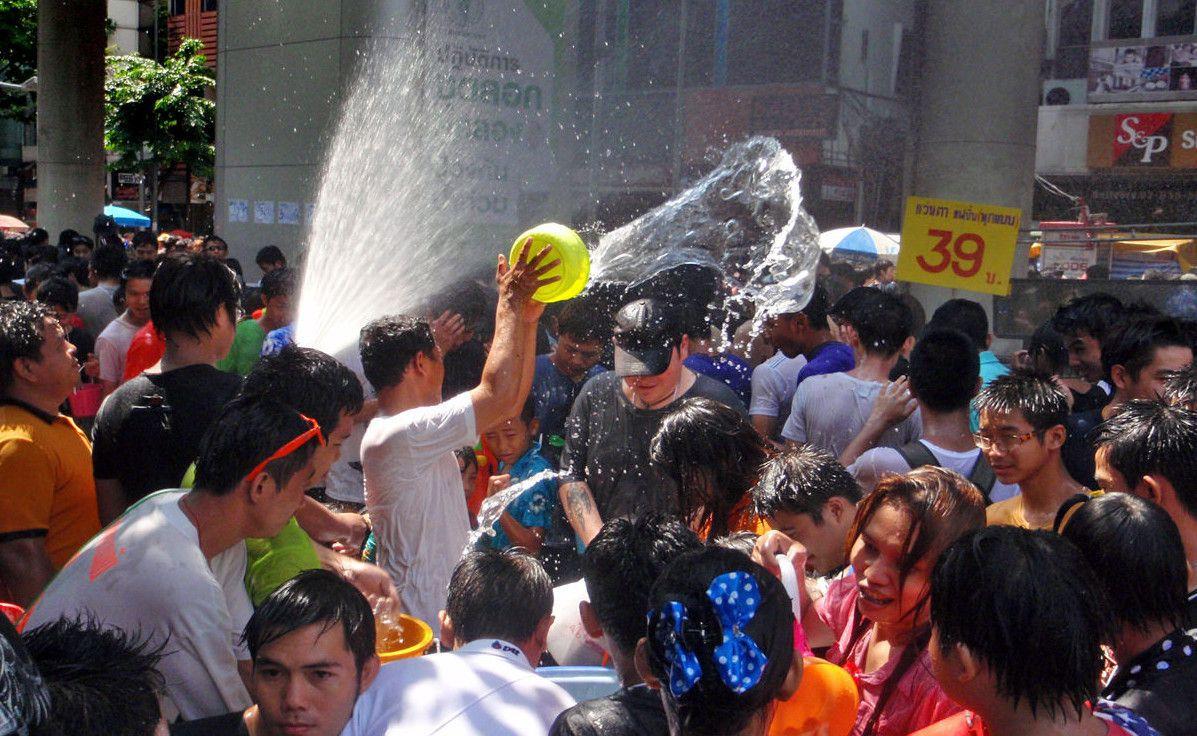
[
  {"x": 290, "y": 447},
  {"x": 1005, "y": 441}
]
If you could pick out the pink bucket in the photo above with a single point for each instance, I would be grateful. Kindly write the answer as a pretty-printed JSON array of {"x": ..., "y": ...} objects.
[{"x": 85, "y": 400}]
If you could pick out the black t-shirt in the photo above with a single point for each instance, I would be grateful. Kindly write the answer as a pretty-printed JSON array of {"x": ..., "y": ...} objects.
[
  {"x": 1094, "y": 398},
  {"x": 148, "y": 431},
  {"x": 230, "y": 724},
  {"x": 1079, "y": 447},
  {"x": 633, "y": 711},
  {"x": 607, "y": 445},
  {"x": 1159, "y": 684}
]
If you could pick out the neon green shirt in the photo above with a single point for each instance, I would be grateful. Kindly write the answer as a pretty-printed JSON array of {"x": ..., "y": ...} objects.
[{"x": 247, "y": 348}]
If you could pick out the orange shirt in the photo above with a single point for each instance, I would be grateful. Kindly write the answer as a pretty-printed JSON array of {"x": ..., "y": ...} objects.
[{"x": 46, "y": 484}]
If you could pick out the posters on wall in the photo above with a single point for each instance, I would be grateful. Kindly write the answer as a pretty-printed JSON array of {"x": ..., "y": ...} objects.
[{"x": 1164, "y": 71}]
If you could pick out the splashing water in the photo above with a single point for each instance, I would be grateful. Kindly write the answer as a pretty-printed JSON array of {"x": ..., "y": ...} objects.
[
  {"x": 744, "y": 220},
  {"x": 493, "y": 507},
  {"x": 396, "y": 215}
]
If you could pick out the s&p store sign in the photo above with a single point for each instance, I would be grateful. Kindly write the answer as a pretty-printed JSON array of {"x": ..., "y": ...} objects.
[{"x": 1143, "y": 139}]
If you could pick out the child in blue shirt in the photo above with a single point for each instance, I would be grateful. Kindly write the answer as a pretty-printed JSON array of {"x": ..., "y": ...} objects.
[{"x": 527, "y": 518}]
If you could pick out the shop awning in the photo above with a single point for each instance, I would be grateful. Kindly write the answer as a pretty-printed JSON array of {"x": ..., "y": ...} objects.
[{"x": 1132, "y": 257}]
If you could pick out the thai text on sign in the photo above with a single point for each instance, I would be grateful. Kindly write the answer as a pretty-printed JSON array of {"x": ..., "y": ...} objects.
[{"x": 958, "y": 245}]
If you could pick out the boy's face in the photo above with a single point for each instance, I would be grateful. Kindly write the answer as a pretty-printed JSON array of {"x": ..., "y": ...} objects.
[
  {"x": 469, "y": 476},
  {"x": 1014, "y": 449},
  {"x": 825, "y": 542},
  {"x": 1084, "y": 356},
  {"x": 575, "y": 358},
  {"x": 511, "y": 439},
  {"x": 1149, "y": 384},
  {"x": 280, "y": 310}
]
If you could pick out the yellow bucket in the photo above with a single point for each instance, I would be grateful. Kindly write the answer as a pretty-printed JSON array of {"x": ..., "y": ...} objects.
[
  {"x": 567, "y": 246},
  {"x": 414, "y": 636}
]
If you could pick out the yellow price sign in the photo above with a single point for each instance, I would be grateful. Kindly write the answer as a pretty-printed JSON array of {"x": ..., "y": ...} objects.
[{"x": 958, "y": 245}]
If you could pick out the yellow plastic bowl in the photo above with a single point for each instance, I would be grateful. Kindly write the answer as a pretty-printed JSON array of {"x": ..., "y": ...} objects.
[
  {"x": 417, "y": 635},
  {"x": 567, "y": 246}
]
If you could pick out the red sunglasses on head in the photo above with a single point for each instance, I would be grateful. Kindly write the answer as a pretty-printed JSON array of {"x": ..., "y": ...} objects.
[{"x": 290, "y": 447}]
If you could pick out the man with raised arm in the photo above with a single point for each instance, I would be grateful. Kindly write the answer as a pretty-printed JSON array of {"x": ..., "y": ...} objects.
[{"x": 413, "y": 485}]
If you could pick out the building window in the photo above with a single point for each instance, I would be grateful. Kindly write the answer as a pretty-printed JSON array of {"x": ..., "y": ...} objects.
[
  {"x": 1126, "y": 19},
  {"x": 1175, "y": 17},
  {"x": 208, "y": 5},
  {"x": 1073, "y": 30},
  {"x": 178, "y": 7}
]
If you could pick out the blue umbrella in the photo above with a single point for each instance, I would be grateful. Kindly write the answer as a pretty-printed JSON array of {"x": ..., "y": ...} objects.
[
  {"x": 858, "y": 241},
  {"x": 126, "y": 217}
]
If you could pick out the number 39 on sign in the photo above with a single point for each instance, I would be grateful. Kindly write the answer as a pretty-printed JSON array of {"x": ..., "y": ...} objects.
[{"x": 958, "y": 245}]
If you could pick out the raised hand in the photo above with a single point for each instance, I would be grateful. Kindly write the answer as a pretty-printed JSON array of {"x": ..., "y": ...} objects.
[
  {"x": 520, "y": 280},
  {"x": 449, "y": 331}
]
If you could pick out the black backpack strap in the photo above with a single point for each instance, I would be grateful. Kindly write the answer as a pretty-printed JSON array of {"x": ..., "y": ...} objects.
[
  {"x": 982, "y": 477},
  {"x": 916, "y": 455}
]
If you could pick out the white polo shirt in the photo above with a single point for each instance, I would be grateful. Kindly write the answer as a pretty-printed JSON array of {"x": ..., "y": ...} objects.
[{"x": 485, "y": 688}]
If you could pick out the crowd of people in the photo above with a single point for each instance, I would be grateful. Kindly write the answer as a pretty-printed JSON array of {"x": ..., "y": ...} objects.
[{"x": 863, "y": 507}]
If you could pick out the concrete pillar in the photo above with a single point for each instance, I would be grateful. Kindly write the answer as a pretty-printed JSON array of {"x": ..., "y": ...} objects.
[
  {"x": 977, "y": 109},
  {"x": 70, "y": 114}
]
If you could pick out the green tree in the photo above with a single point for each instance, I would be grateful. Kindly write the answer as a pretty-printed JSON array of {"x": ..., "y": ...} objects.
[
  {"x": 18, "y": 55},
  {"x": 157, "y": 116}
]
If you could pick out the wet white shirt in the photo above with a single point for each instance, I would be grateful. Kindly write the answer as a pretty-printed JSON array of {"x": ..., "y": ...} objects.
[
  {"x": 773, "y": 385},
  {"x": 486, "y": 687},
  {"x": 828, "y": 412},
  {"x": 145, "y": 573},
  {"x": 874, "y": 463},
  {"x": 415, "y": 499}
]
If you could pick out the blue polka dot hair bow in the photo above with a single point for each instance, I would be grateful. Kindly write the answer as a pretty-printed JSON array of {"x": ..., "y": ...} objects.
[
  {"x": 684, "y": 669},
  {"x": 736, "y": 598}
]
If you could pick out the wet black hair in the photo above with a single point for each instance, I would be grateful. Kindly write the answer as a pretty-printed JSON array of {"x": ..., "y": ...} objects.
[
  {"x": 944, "y": 368},
  {"x": 37, "y": 236},
  {"x": 279, "y": 282},
  {"x": 59, "y": 291},
  {"x": 1046, "y": 349},
  {"x": 585, "y": 320},
  {"x": 620, "y": 566},
  {"x": 21, "y": 335},
  {"x": 1034, "y": 395},
  {"x": 204, "y": 240},
  {"x": 102, "y": 681},
  {"x": 108, "y": 261},
  {"x": 35, "y": 276},
  {"x": 389, "y": 344},
  {"x": 270, "y": 254},
  {"x": 312, "y": 383},
  {"x": 1126, "y": 538},
  {"x": 1132, "y": 344},
  {"x": 842, "y": 309},
  {"x": 314, "y": 597},
  {"x": 710, "y": 706},
  {"x": 247, "y": 431},
  {"x": 138, "y": 270},
  {"x": 144, "y": 237},
  {"x": 714, "y": 456},
  {"x": 801, "y": 481},
  {"x": 881, "y": 320},
  {"x": 882, "y": 265},
  {"x": 528, "y": 410},
  {"x": 467, "y": 455},
  {"x": 498, "y": 594},
  {"x": 72, "y": 267},
  {"x": 1093, "y": 314},
  {"x": 1180, "y": 387},
  {"x": 188, "y": 292},
  {"x": 964, "y": 315},
  {"x": 816, "y": 308},
  {"x": 994, "y": 590},
  {"x": 1151, "y": 438}
]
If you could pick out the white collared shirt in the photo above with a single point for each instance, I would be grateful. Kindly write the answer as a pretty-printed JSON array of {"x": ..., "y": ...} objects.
[{"x": 486, "y": 687}]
